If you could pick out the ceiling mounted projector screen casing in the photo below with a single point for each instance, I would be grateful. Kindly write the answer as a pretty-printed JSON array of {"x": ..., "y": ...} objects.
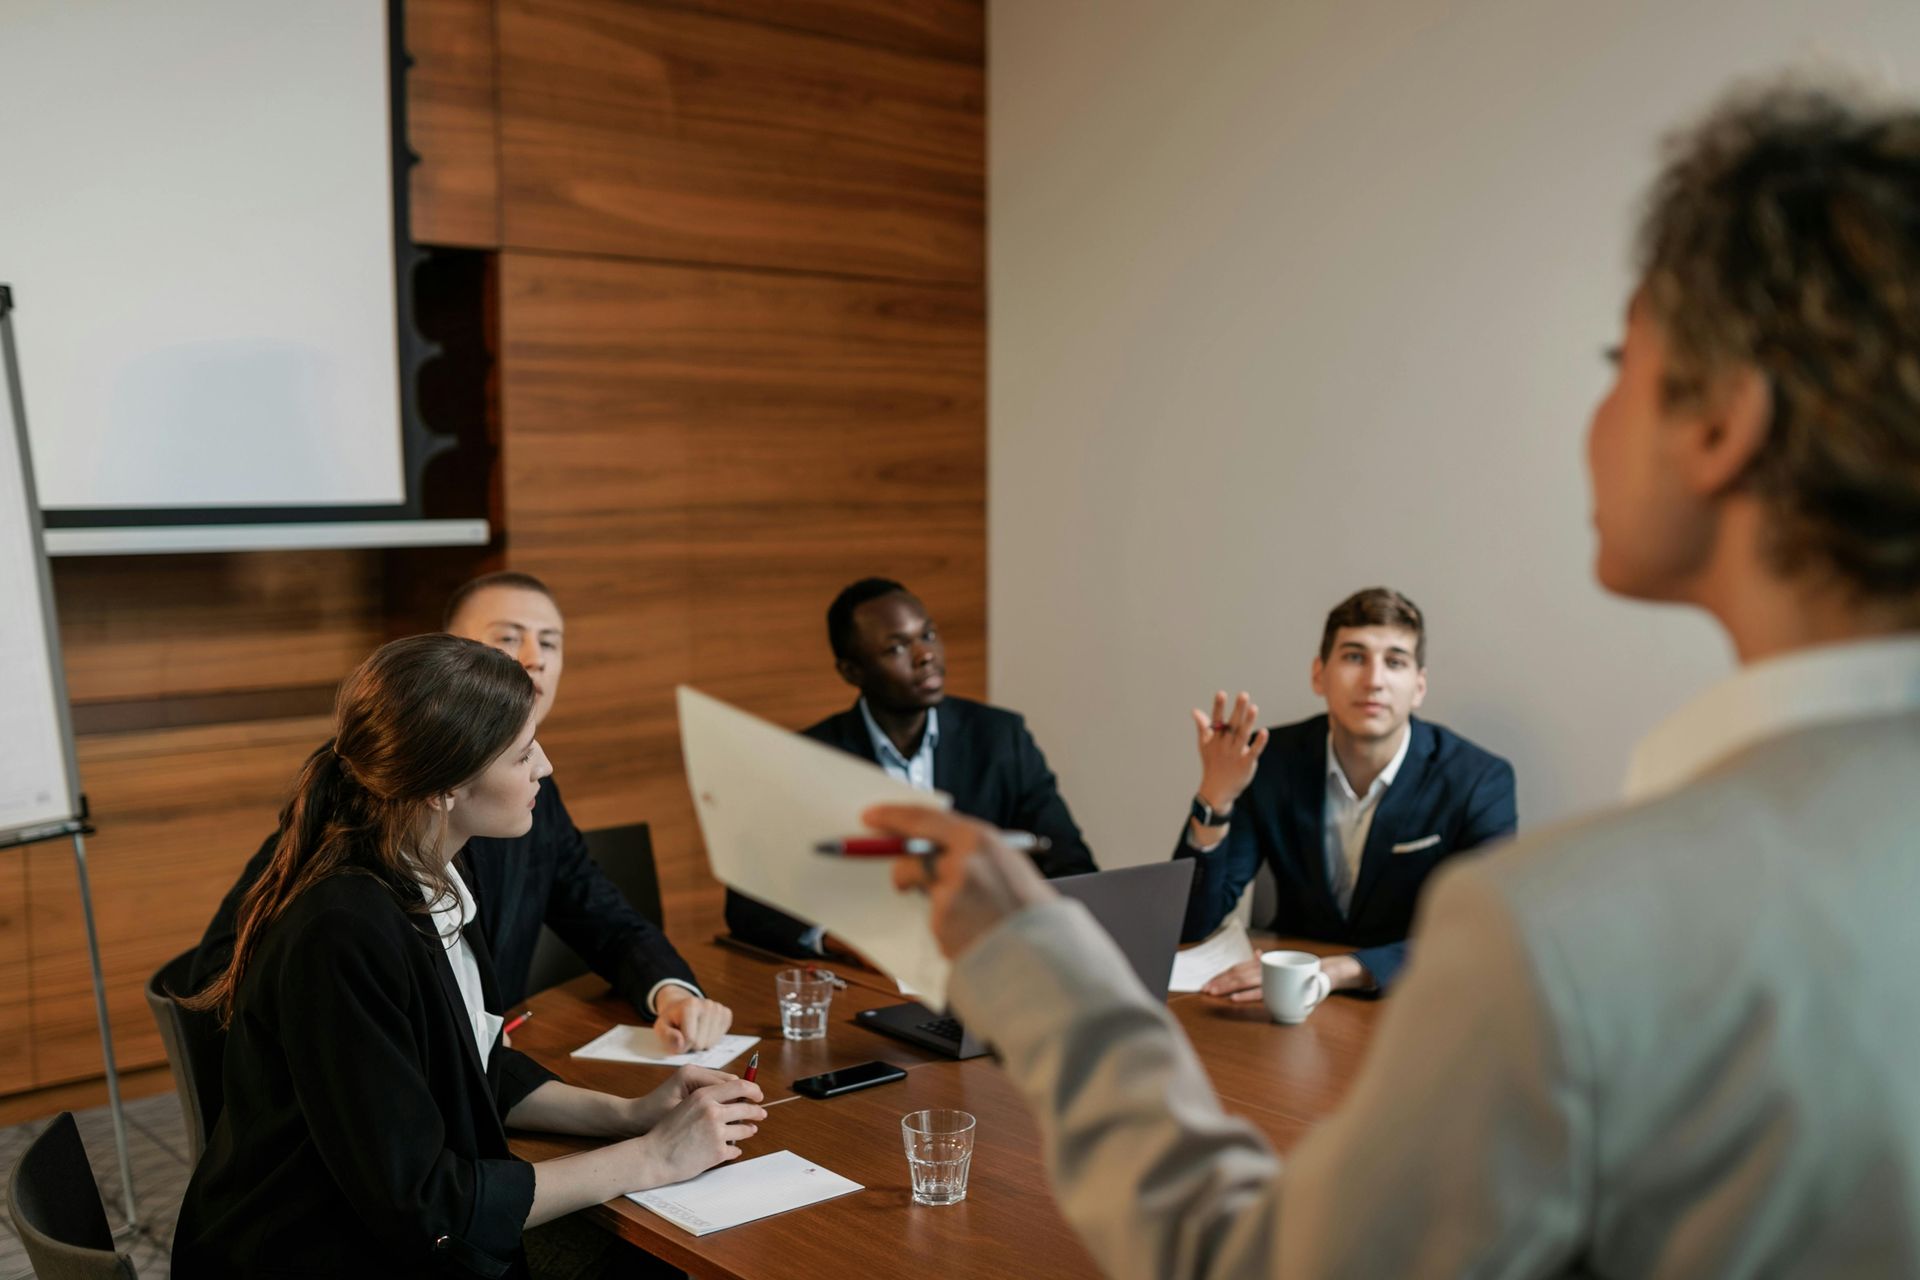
[{"x": 198, "y": 218}]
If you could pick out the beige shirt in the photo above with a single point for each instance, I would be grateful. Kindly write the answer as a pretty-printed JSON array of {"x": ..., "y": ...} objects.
[
  {"x": 1675, "y": 1040},
  {"x": 1821, "y": 685}
]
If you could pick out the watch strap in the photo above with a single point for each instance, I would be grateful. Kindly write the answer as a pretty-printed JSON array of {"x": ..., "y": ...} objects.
[{"x": 1206, "y": 815}]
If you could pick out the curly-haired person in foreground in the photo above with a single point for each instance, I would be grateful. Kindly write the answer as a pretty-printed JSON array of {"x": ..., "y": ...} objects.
[{"x": 1675, "y": 1039}]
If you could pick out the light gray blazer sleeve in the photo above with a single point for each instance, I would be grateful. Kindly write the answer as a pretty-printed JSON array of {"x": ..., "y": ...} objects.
[{"x": 1461, "y": 1150}]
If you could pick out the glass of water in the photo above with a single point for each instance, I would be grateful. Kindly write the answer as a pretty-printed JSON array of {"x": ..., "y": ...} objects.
[
  {"x": 804, "y": 997},
  {"x": 939, "y": 1152}
]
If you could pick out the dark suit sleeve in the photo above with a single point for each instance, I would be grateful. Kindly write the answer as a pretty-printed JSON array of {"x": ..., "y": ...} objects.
[
  {"x": 752, "y": 920},
  {"x": 1384, "y": 963},
  {"x": 1492, "y": 814},
  {"x": 590, "y": 915},
  {"x": 1492, "y": 811},
  {"x": 515, "y": 1076},
  {"x": 215, "y": 952},
  {"x": 1224, "y": 874},
  {"x": 341, "y": 1009},
  {"x": 1040, "y": 809}
]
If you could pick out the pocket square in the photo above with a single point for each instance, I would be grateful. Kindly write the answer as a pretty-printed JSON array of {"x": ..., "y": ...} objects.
[{"x": 1415, "y": 846}]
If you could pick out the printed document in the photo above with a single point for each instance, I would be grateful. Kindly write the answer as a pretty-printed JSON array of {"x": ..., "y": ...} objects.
[{"x": 766, "y": 796}]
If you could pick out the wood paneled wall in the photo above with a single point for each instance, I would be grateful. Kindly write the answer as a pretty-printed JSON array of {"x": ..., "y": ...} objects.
[
  {"x": 743, "y": 359},
  {"x": 741, "y": 336}
]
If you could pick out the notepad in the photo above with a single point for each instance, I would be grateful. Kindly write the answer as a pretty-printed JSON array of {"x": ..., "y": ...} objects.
[
  {"x": 744, "y": 1191},
  {"x": 642, "y": 1044},
  {"x": 1227, "y": 947}
]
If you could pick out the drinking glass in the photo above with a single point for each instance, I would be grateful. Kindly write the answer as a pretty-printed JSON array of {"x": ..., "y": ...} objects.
[
  {"x": 804, "y": 997},
  {"x": 939, "y": 1153}
]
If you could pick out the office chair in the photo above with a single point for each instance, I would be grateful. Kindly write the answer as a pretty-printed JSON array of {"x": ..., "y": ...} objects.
[
  {"x": 195, "y": 1046},
  {"x": 625, "y": 854},
  {"x": 57, "y": 1211}
]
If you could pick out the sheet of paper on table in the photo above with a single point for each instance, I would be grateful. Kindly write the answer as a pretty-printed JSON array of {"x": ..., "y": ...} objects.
[
  {"x": 1226, "y": 947},
  {"x": 730, "y": 1194},
  {"x": 642, "y": 1044},
  {"x": 765, "y": 796}
]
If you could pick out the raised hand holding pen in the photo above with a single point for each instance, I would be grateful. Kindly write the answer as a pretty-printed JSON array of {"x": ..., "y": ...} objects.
[{"x": 1230, "y": 747}]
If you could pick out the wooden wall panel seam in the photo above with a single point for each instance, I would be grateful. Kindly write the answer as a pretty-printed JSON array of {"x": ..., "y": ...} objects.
[
  {"x": 745, "y": 268},
  {"x": 959, "y": 59}
]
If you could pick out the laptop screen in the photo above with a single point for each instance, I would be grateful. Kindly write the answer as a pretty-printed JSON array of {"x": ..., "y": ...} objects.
[{"x": 1142, "y": 908}]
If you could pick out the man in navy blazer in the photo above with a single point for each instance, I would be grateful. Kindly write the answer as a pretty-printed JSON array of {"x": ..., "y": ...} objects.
[
  {"x": 1352, "y": 810},
  {"x": 886, "y": 646}
]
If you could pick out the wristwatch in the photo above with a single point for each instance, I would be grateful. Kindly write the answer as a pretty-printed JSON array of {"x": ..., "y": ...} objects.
[{"x": 1206, "y": 815}]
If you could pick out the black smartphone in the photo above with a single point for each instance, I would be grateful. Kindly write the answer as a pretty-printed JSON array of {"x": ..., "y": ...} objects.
[{"x": 829, "y": 1083}]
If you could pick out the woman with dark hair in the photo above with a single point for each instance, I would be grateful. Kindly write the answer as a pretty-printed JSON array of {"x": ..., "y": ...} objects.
[{"x": 367, "y": 1091}]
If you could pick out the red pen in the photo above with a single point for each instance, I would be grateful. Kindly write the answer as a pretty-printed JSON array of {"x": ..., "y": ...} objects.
[
  {"x": 753, "y": 1067},
  {"x": 896, "y": 847},
  {"x": 516, "y": 1024}
]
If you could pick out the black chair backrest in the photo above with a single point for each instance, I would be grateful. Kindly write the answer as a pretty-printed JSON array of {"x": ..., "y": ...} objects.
[
  {"x": 56, "y": 1209},
  {"x": 196, "y": 1047},
  {"x": 625, "y": 855}
]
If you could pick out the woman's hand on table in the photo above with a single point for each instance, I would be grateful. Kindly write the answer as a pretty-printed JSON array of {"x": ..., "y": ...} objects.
[
  {"x": 702, "y": 1127},
  {"x": 647, "y": 1111}
]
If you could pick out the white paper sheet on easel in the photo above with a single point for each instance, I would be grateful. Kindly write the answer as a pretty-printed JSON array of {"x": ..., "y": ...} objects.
[
  {"x": 1228, "y": 946},
  {"x": 730, "y": 1194},
  {"x": 643, "y": 1045},
  {"x": 765, "y": 796}
]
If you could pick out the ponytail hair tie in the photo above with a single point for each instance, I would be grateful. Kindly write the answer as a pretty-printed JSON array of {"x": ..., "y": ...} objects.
[{"x": 344, "y": 765}]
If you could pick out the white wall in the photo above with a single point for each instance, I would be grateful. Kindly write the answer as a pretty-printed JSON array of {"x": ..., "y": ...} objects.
[
  {"x": 1293, "y": 298},
  {"x": 196, "y": 213}
]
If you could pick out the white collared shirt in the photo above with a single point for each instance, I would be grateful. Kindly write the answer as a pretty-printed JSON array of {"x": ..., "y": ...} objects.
[
  {"x": 916, "y": 773},
  {"x": 449, "y": 918},
  {"x": 1348, "y": 818},
  {"x": 1778, "y": 695}
]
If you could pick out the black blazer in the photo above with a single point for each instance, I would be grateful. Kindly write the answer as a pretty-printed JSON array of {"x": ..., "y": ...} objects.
[
  {"x": 991, "y": 766},
  {"x": 1446, "y": 788},
  {"x": 359, "y": 1135},
  {"x": 545, "y": 876}
]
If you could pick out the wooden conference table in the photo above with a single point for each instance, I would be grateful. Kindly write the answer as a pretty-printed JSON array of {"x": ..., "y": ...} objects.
[{"x": 1282, "y": 1079}]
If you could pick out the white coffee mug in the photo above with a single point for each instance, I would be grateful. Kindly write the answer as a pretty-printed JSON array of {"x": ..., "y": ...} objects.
[{"x": 1292, "y": 984}]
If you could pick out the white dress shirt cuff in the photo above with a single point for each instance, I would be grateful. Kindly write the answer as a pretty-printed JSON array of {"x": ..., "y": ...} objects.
[{"x": 653, "y": 993}]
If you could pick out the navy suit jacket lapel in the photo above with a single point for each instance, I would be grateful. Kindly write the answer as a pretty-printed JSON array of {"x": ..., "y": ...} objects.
[
  {"x": 947, "y": 771},
  {"x": 850, "y": 734},
  {"x": 1307, "y": 815},
  {"x": 1392, "y": 817}
]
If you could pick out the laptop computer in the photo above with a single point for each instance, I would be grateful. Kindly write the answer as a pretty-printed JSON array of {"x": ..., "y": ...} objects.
[{"x": 1142, "y": 907}]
